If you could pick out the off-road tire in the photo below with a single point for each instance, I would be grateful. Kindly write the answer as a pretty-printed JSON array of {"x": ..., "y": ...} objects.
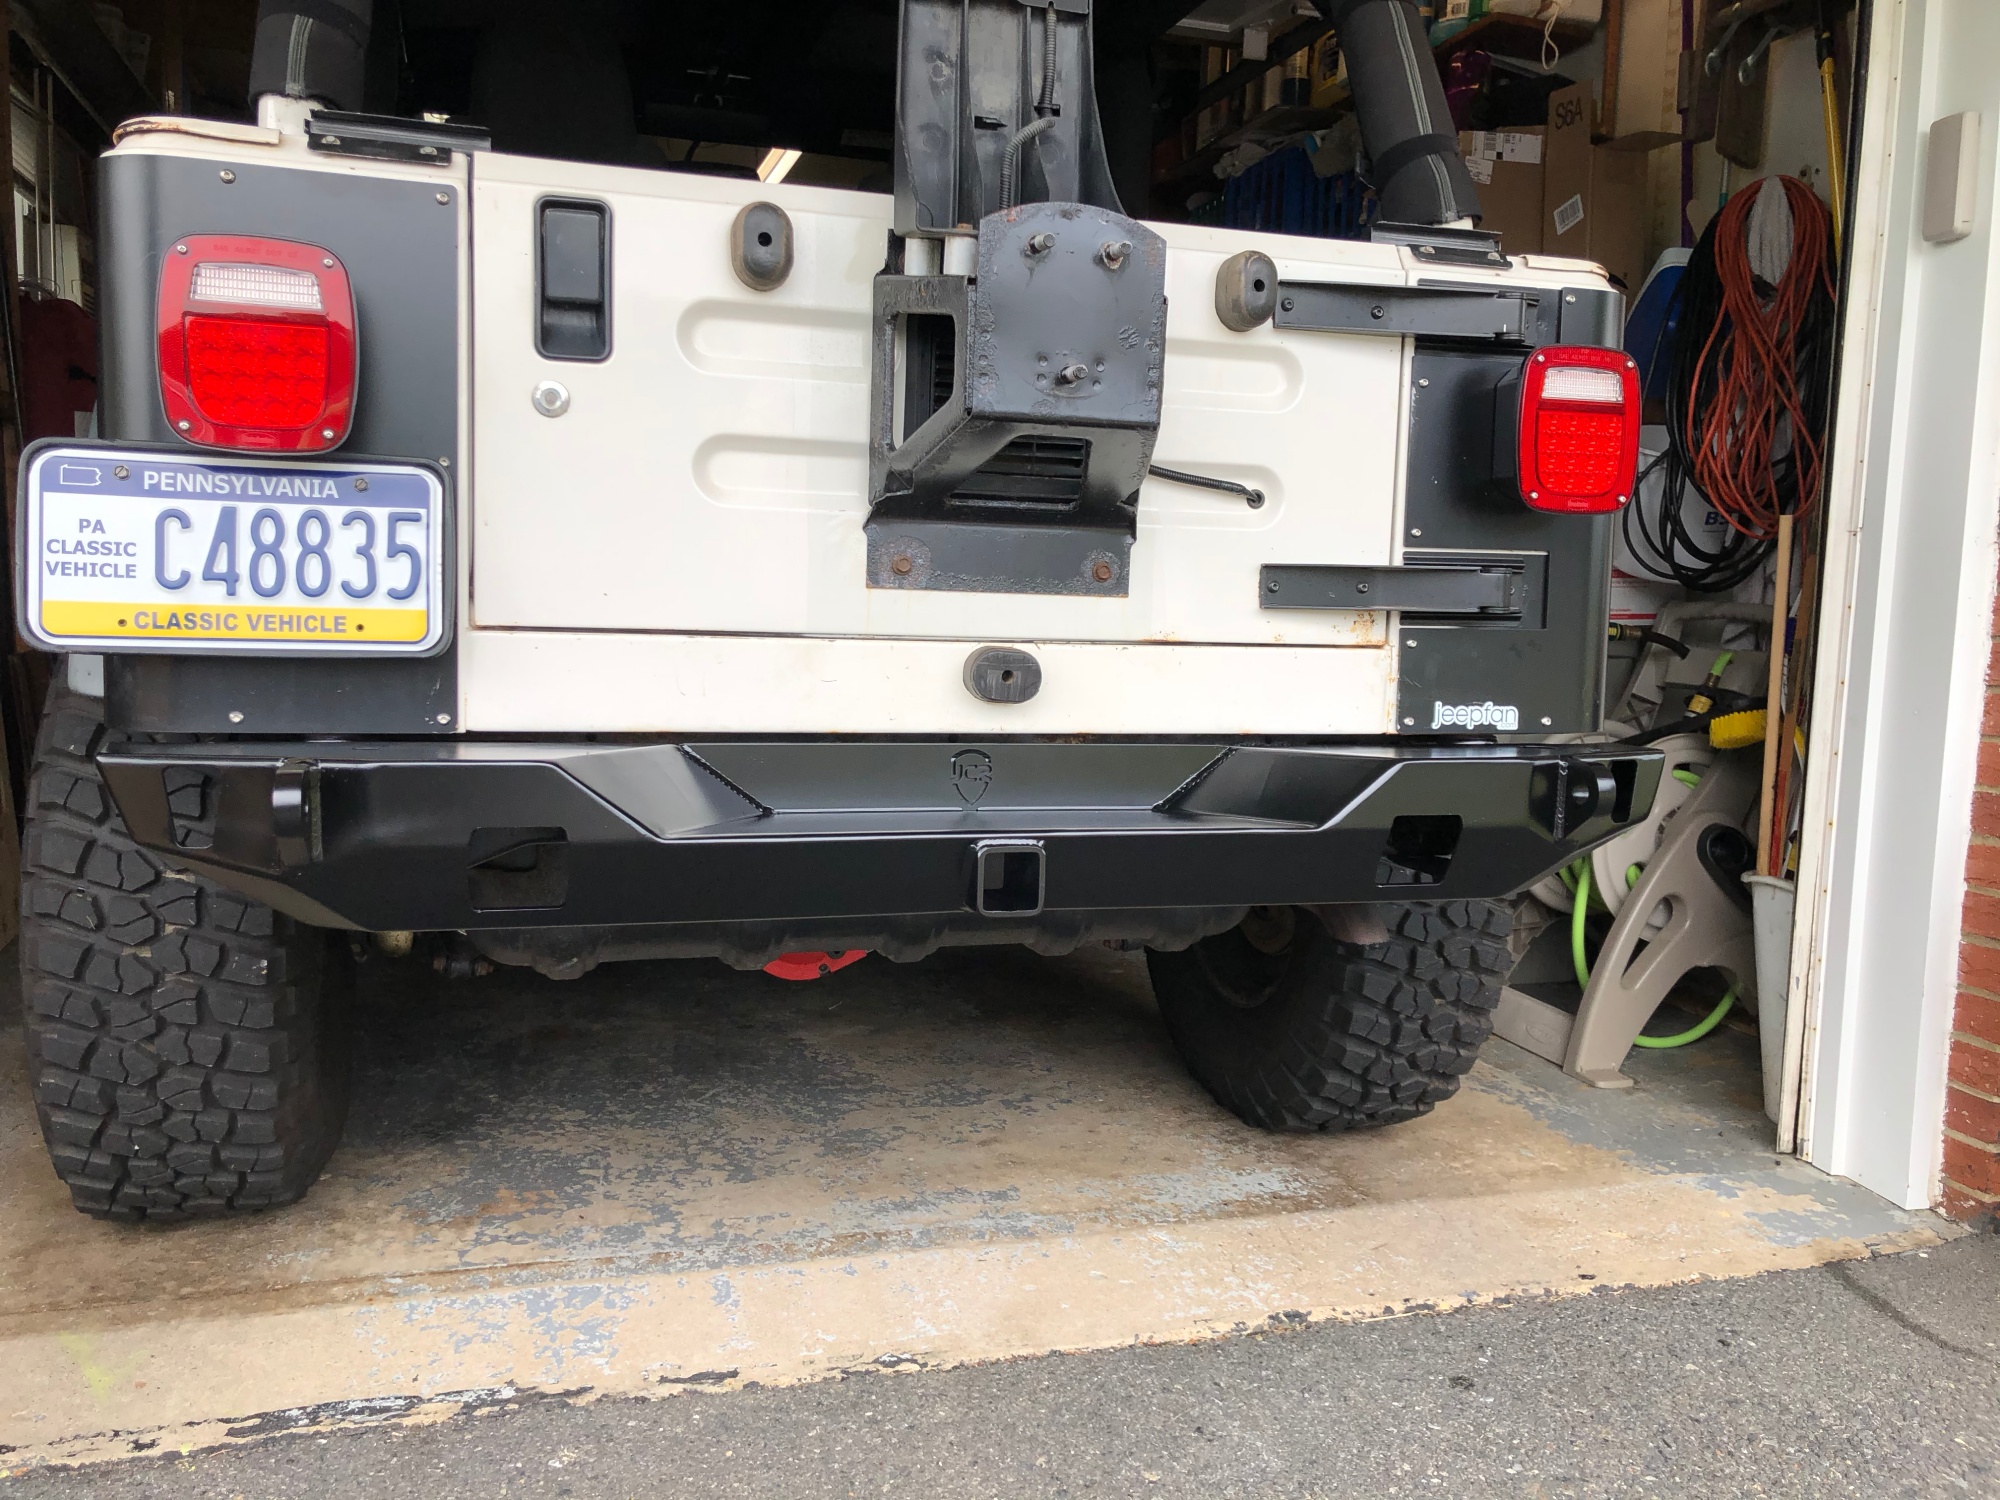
[
  {"x": 187, "y": 1044},
  {"x": 1292, "y": 1029}
]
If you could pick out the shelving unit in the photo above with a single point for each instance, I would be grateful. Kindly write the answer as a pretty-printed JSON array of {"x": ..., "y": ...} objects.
[
  {"x": 1514, "y": 36},
  {"x": 1504, "y": 35}
]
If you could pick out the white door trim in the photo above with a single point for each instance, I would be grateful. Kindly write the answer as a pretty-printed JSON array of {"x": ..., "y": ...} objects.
[{"x": 1913, "y": 502}]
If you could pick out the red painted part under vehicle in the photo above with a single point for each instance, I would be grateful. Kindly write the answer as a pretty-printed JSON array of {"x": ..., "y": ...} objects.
[{"x": 812, "y": 965}]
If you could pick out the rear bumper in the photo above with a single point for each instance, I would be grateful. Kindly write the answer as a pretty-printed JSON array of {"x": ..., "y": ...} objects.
[{"x": 427, "y": 837}]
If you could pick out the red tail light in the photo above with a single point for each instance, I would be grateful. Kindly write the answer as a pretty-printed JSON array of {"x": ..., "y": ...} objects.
[
  {"x": 256, "y": 344},
  {"x": 1579, "y": 443}
]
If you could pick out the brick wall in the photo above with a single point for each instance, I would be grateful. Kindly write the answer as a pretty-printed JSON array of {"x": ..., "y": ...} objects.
[{"x": 1972, "y": 1093}]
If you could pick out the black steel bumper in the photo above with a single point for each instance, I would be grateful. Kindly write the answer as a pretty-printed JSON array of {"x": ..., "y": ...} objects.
[{"x": 412, "y": 836}]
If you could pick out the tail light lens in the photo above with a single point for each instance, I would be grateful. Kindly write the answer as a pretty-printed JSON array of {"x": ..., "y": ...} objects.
[
  {"x": 1579, "y": 442},
  {"x": 256, "y": 344}
]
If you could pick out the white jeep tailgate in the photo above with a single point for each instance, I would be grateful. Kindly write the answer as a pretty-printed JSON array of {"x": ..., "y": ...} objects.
[{"x": 710, "y": 476}]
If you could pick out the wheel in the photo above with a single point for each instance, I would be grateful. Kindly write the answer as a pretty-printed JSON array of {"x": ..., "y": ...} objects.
[
  {"x": 187, "y": 1044},
  {"x": 1292, "y": 1029}
]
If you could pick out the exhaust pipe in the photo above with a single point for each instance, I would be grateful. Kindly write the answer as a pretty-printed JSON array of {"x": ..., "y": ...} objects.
[
  {"x": 1406, "y": 129},
  {"x": 310, "y": 50}
]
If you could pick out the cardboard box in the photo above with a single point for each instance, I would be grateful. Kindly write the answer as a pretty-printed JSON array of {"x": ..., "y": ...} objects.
[
  {"x": 1593, "y": 197},
  {"x": 1506, "y": 166},
  {"x": 1641, "y": 105}
]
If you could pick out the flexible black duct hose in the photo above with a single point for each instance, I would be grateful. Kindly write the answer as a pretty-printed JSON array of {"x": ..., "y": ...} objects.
[
  {"x": 312, "y": 49},
  {"x": 1406, "y": 128}
]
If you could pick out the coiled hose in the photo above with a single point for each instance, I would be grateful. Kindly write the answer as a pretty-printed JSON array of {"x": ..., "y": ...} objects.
[{"x": 1577, "y": 878}]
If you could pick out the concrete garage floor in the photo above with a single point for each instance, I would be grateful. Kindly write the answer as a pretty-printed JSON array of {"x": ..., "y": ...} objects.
[
  {"x": 674, "y": 1177},
  {"x": 1859, "y": 1380}
]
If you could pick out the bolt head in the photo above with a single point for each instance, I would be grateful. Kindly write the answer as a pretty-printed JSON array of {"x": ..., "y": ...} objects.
[
  {"x": 444, "y": 718},
  {"x": 1409, "y": 721},
  {"x": 1378, "y": 312},
  {"x": 1271, "y": 587},
  {"x": 900, "y": 565},
  {"x": 1569, "y": 297},
  {"x": 236, "y": 716},
  {"x": 1286, "y": 305},
  {"x": 1416, "y": 531},
  {"x": 226, "y": 175},
  {"x": 551, "y": 398},
  {"x": 327, "y": 433},
  {"x": 444, "y": 197},
  {"x": 180, "y": 249},
  {"x": 1101, "y": 571},
  {"x": 444, "y": 463},
  {"x": 1424, "y": 381},
  {"x": 360, "y": 483},
  {"x": 183, "y": 424},
  {"x": 327, "y": 261},
  {"x": 121, "y": 472},
  {"x": 1411, "y": 644},
  {"x": 1546, "y": 720}
]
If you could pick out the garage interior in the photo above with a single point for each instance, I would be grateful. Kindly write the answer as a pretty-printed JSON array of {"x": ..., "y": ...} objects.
[{"x": 987, "y": 1155}]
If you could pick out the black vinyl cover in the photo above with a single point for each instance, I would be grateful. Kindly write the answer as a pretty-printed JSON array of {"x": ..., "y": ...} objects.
[
  {"x": 312, "y": 49},
  {"x": 1406, "y": 128}
]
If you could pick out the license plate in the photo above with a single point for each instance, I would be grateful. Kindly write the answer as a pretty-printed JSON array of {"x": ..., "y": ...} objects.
[{"x": 129, "y": 551}]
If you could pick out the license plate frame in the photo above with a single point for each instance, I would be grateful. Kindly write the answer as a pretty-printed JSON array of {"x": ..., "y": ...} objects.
[{"x": 127, "y": 549}]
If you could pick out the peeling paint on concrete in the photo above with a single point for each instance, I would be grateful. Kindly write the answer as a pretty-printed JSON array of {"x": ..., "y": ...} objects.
[{"x": 674, "y": 1178}]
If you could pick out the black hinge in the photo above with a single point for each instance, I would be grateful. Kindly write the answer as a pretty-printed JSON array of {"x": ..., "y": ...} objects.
[
  {"x": 1443, "y": 247},
  {"x": 392, "y": 138},
  {"x": 1483, "y": 314},
  {"x": 1490, "y": 592}
]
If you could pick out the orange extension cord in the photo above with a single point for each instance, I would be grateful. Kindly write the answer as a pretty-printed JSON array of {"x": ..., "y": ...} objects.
[{"x": 1752, "y": 356}]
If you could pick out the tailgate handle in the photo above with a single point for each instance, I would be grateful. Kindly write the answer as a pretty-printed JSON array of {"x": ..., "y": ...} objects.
[
  {"x": 573, "y": 280},
  {"x": 1491, "y": 591}
]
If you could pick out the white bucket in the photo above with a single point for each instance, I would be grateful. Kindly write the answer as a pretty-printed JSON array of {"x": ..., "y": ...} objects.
[{"x": 1771, "y": 923}]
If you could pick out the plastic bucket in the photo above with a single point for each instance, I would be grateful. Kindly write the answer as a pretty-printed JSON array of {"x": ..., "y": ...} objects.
[{"x": 1771, "y": 902}]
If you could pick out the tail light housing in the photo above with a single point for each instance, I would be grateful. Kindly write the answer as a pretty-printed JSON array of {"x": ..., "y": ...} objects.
[
  {"x": 1578, "y": 451},
  {"x": 257, "y": 347}
]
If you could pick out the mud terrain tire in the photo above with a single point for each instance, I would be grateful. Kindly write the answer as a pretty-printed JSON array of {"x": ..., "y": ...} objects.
[
  {"x": 1292, "y": 1029},
  {"x": 187, "y": 1045}
]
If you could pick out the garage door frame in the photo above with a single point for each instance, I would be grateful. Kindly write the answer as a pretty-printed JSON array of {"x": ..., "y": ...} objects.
[{"x": 1913, "y": 510}]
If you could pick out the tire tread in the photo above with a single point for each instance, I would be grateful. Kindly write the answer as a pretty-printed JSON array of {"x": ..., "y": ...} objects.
[
  {"x": 1368, "y": 1036},
  {"x": 187, "y": 1053}
]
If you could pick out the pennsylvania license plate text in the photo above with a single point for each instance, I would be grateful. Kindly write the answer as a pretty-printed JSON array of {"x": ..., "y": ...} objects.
[{"x": 132, "y": 551}]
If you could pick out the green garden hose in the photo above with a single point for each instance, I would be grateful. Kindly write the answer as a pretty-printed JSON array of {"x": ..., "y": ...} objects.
[
  {"x": 1577, "y": 913},
  {"x": 1695, "y": 1032},
  {"x": 1701, "y": 1028}
]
